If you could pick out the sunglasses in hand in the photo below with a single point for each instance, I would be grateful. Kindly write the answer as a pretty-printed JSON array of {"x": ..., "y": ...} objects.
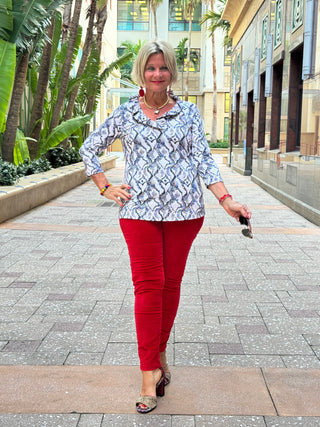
[{"x": 247, "y": 232}]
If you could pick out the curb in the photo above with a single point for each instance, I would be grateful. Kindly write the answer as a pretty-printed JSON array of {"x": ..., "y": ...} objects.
[{"x": 34, "y": 190}]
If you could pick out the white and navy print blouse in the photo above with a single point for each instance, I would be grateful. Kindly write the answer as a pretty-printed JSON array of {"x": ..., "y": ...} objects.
[{"x": 164, "y": 158}]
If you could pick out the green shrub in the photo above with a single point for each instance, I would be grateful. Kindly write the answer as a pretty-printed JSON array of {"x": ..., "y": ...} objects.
[
  {"x": 8, "y": 173},
  {"x": 63, "y": 156},
  {"x": 35, "y": 166},
  {"x": 219, "y": 144}
]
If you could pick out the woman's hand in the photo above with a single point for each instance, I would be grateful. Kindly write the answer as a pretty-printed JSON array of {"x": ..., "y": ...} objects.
[
  {"x": 235, "y": 209},
  {"x": 118, "y": 193}
]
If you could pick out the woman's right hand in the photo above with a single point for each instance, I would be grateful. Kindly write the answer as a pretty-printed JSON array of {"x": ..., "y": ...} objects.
[{"x": 118, "y": 193}]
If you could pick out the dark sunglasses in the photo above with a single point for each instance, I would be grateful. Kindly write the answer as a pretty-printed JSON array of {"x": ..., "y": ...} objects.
[{"x": 247, "y": 232}]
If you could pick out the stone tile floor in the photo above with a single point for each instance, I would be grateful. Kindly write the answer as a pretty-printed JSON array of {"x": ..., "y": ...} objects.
[{"x": 66, "y": 298}]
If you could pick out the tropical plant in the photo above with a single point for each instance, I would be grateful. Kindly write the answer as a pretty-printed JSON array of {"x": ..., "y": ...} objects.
[
  {"x": 101, "y": 19},
  {"x": 84, "y": 58},
  {"x": 21, "y": 150},
  {"x": 188, "y": 7},
  {"x": 27, "y": 22},
  {"x": 181, "y": 54},
  {"x": 69, "y": 58},
  {"x": 7, "y": 67},
  {"x": 129, "y": 48},
  {"x": 214, "y": 20},
  {"x": 61, "y": 132},
  {"x": 35, "y": 121}
]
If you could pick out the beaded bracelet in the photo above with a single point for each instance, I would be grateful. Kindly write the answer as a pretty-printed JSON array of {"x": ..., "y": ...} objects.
[
  {"x": 104, "y": 189},
  {"x": 225, "y": 196}
]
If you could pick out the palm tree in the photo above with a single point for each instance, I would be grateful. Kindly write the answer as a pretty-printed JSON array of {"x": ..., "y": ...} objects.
[
  {"x": 84, "y": 58},
  {"x": 101, "y": 19},
  {"x": 132, "y": 49},
  {"x": 215, "y": 21},
  {"x": 153, "y": 5},
  {"x": 42, "y": 85},
  {"x": 29, "y": 21},
  {"x": 188, "y": 7},
  {"x": 67, "y": 15},
  {"x": 66, "y": 66}
]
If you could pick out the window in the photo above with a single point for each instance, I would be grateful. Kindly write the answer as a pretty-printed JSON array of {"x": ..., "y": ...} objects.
[
  {"x": 264, "y": 37},
  {"x": 194, "y": 60},
  {"x": 297, "y": 15},
  {"x": 133, "y": 15},
  {"x": 238, "y": 69},
  {"x": 278, "y": 23},
  {"x": 191, "y": 98},
  {"x": 227, "y": 102},
  {"x": 178, "y": 21}
]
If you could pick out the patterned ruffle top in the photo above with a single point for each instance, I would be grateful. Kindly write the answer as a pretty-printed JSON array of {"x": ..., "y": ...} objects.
[{"x": 164, "y": 160}]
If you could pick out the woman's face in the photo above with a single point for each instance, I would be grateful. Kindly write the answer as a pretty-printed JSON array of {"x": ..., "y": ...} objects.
[{"x": 157, "y": 76}]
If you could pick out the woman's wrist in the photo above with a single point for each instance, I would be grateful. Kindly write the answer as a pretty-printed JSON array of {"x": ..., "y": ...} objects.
[
  {"x": 103, "y": 189},
  {"x": 224, "y": 197}
]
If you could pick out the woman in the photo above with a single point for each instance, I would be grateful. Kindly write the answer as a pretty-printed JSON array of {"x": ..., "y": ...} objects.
[{"x": 161, "y": 201}]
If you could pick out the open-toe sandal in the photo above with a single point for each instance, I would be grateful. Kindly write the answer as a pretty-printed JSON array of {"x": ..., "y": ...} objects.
[{"x": 150, "y": 402}]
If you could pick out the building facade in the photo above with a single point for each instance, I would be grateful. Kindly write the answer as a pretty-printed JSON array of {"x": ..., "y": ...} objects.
[{"x": 275, "y": 97}]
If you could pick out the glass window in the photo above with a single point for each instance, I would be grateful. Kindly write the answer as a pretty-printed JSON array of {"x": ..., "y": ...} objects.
[
  {"x": 133, "y": 15},
  {"x": 297, "y": 15},
  {"x": 178, "y": 21},
  {"x": 264, "y": 37},
  {"x": 278, "y": 23},
  {"x": 238, "y": 68},
  {"x": 191, "y": 98},
  {"x": 227, "y": 102}
]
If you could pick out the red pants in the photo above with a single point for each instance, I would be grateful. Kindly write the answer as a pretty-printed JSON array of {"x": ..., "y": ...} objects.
[{"x": 158, "y": 254}]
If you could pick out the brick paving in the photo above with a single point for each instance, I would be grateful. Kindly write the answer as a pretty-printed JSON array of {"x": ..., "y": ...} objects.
[{"x": 66, "y": 299}]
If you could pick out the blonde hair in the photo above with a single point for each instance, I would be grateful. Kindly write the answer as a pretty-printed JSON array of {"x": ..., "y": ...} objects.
[{"x": 153, "y": 48}]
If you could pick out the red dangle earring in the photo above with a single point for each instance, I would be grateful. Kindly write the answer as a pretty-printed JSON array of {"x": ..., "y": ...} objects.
[{"x": 141, "y": 92}]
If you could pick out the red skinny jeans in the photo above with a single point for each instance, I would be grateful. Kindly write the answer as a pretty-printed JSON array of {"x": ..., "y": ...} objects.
[{"x": 158, "y": 254}]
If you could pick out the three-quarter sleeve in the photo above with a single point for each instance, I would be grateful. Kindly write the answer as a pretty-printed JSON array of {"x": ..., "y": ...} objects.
[
  {"x": 206, "y": 165},
  {"x": 99, "y": 140}
]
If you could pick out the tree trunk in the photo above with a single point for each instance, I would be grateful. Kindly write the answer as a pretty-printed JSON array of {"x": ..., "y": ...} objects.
[
  {"x": 66, "y": 20},
  {"x": 154, "y": 11},
  {"x": 101, "y": 21},
  {"x": 66, "y": 66},
  {"x": 9, "y": 136},
  {"x": 188, "y": 59},
  {"x": 214, "y": 94},
  {"x": 84, "y": 59},
  {"x": 42, "y": 85}
]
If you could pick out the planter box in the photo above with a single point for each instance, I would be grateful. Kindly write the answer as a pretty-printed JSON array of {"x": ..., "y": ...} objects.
[
  {"x": 223, "y": 152},
  {"x": 34, "y": 190}
]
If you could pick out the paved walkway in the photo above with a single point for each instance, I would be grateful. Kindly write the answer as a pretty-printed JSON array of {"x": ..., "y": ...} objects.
[{"x": 245, "y": 347}]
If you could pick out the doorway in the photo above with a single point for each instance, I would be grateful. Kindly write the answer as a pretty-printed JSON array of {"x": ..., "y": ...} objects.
[
  {"x": 295, "y": 100},
  {"x": 276, "y": 106}
]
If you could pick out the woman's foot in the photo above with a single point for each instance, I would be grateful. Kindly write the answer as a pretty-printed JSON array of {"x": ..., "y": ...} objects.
[
  {"x": 165, "y": 367},
  {"x": 152, "y": 386}
]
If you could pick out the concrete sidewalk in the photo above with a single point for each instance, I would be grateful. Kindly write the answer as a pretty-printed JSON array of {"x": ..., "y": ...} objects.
[{"x": 245, "y": 347}]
